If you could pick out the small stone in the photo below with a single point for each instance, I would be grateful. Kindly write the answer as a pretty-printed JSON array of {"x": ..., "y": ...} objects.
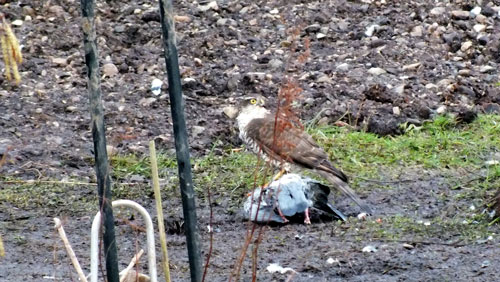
[
  {"x": 408, "y": 246},
  {"x": 376, "y": 71},
  {"x": 485, "y": 263},
  {"x": 60, "y": 62},
  {"x": 417, "y": 31},
  {"x": 485, "y": 69},
  {"x": 56, "y": 10},
  {"x": 156, "y": 86},
  {"x": 400, "y": 89},
  {"x": 274, "y": 11},
  {"x": 371, "y": 30},
  {"x": 17, "y": 23},
  {"x": 411, "y": 66},
  {"x": 111, "y": 150},
  {"x": 109, "y": 69},
  {"x": 252, "y": 22},
  {"x": 332, "y": 261},
  {"x": 441, "y": 109},
  {"x": 71, "y": 108},
  {"x": 465, "y": 46},
  {"x": 460, "y": 15},
  {"x": 275, "y": 64},
  {"x": 197, "y": 130},
  {"x": 244, "y": 10},
  {"x": 221, "y": 22},
  {"x": 320, "y": 35},
  {"x": 197, "y": 62},
  {"x": 437, "y": 11},
  {"x": 342, "y": 67},
  {"x": 369, "y": 249},
  {"x": 230, "y": 111},
  {"x": 313, "y": 28},
  {"x": 146, "y": 102},
  {"x": 481, "y": 19},
  {"x": 475, "y": 11},
  {"x": 210, "y": 6},
  {"x": 324, "y": 79},
  {"x": 182, "y": 19},
  {"x": 479, "y": 27},
  {"x": 464, "y": 72},
  {"x": 488, "y": 11},
  {"x": 396, "y": 111},
  {"x": 483, "y": 40}
]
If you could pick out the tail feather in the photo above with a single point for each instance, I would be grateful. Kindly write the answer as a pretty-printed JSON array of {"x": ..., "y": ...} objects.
[{"x": 344, "y": 187}]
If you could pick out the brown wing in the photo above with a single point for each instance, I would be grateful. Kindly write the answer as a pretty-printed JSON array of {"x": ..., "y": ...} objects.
[{"x": 292, "y": 145}]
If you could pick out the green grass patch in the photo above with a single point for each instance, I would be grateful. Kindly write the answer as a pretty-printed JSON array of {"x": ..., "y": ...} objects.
[{"x": 437, "y": 144}]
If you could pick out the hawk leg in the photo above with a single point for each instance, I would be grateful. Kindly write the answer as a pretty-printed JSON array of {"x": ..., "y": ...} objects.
[{"x": 276, "y": 177}]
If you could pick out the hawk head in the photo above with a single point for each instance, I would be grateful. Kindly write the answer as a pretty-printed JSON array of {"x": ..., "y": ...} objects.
[{"x": 251, "y": 101}]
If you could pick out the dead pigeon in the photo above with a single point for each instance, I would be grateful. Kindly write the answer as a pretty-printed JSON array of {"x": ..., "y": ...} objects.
[{"x": 287, "y": 196}]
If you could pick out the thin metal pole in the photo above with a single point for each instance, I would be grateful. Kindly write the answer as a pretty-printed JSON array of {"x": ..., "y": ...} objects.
[
  {"x": 99, "y": 137},
  {"x": 181, "y": 141}
]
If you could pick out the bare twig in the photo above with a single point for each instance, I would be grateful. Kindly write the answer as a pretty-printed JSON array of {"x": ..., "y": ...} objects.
[
  {"x": 133, "y": 262},
  {"x": 69, "y": 250}
]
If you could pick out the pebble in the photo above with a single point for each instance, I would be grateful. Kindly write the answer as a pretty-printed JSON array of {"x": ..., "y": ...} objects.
[
  {"x": 396, "y": 111},
  {"x": 475, "y": 11},
  {"x": 408, "y": 246},
  {"x": 400, "y": 89},
  {"x": 342, "y": 67},
  {"x": 109, "y": 69},
  {"x": 111, "y": 150},
  {"x": 324, "y": 79},
  {"x": 320, "y": 35},
  {"x": 485, "y": 69},
  {"x": 417, "y": 31},
  {"x": 464, "y": 72},
  {"x": 460, "y": 15},
  {"x": 210, "y": 6},
  {"x": 71, "y": 108},
  {"x": 60, "y": 61},
  {"x": 221, "y": 22},
  {"x": 481, "y": 19},
  {"x": 437, "y": 11},
  {"x": 274, "y": 11},
  {"x": 371, "y": 30},
  {"x": 56, "y": 10},
  {"x": 146, "y": 102},
  {"x": 313, "y": 28},
  {"x": 465, "y": 46},
  {"x": 275, "y": 64},
  {"x": 376, "y": 71},
  {"x": 156, "y": 86},
  {"x": 479, "y": 27},
  {"x": 411, "y": 66},
  {"x": 369, "y": 249},
  {"x": 182, "y": 19},
  {"x": 441, "y": 109},
  {"x": 197, "y": 130},
  {"x": 17, "y": 23},
  {"x": 230, "y": 111}
]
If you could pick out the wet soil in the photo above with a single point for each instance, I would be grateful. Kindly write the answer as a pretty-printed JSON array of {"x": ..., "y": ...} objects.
[{"x": 372, "y": 65}]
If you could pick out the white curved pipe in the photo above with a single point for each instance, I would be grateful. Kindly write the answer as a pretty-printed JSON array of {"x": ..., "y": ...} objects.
[{"x": 94, "y": 239}]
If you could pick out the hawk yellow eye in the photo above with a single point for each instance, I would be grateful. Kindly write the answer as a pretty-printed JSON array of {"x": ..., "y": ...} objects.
[{"x": 253, "y": 101}]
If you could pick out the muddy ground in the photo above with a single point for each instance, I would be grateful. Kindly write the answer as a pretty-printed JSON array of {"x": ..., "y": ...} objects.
[{"x": 372, "y": 65}]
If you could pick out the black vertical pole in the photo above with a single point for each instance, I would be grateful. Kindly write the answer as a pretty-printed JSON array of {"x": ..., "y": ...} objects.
[
  {"x": 181, "y": 142},
  {"x": 99, "y": 137}
]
